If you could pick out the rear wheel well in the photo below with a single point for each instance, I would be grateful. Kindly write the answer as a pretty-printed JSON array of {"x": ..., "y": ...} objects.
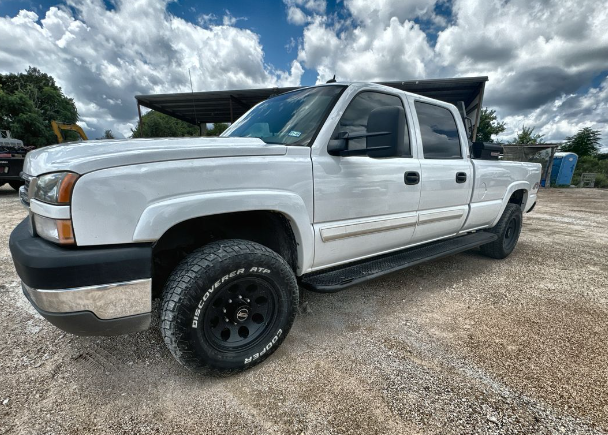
[
  {"x": 518, "y": 197},
  {"x": 267, "y": 228}
]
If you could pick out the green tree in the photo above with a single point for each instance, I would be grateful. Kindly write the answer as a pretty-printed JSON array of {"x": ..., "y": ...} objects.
[
  {"x": 584, "y": 143},
  {"x": 218, "y": 128},
  {"x": 526, "y": 136},
  {"x": 488, "y": 126},
  {"x": 107, "y": 135},
  {"x": 591, "y": 164},
  {"x": 156, "y": 124},
  {"x": 29, "y": 102}
]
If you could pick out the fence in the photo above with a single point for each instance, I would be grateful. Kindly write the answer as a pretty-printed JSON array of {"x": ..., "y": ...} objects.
[{"x": 535, "y": 153}]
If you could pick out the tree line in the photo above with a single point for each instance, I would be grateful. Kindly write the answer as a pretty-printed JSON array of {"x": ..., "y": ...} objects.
[
  {"x": 30, "y": 101},
  {"x": 156, "y": 124},
  {"x": 28, "y": 104}
]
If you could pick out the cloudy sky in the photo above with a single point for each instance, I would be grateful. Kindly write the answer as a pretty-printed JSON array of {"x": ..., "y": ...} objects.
[{"x": 547, "y": 60}]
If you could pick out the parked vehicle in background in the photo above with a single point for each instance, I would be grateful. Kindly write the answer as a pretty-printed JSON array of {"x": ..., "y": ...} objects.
[
  {"x": 321, "y": 188},
  {"x": 12, "y": 154}
]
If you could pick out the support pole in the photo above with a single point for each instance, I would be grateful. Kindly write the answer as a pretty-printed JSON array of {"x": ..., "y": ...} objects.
[
  {"x": 549, "y": 167},
  {"x": 231, "y": 115},
  {"x": 141, "y": 123},
  {"x": 202, "y": 128}
]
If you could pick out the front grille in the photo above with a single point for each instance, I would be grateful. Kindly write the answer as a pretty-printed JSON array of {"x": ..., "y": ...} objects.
[{"x": 24, "y": 191}]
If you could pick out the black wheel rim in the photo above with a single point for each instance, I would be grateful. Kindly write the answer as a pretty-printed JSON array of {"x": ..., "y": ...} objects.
[
  {"x": 511, "y": 234},
  {"x": 240, "y": 314}
]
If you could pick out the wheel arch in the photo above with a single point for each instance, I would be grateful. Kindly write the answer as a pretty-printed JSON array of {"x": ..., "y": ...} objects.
[
  {"x": 277, "y": 220},
  {"x": 516, "y": 193}
]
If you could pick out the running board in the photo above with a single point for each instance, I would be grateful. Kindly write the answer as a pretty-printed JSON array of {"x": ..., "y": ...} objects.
[{"x": 340, "y": 277}]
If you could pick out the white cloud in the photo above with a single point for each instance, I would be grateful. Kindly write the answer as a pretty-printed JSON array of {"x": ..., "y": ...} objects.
[
  {"x": 566, "y": 115},
  {"x": 102, "y": 57},
  {"x": 296, "y": 16},
  {"x": 230, "y": 20},
  {"x": 380, "y": 41},
  {"x": 537, "y": 54},
  {"x": 296, "y": 10},
  {"x": 289, "y": 47},
  {"x": 372, "y": 51},
  {"x": 382, "y": 11},
  {"x": 206, "y": 19}
]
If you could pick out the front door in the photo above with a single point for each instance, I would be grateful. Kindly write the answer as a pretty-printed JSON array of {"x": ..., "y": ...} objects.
[{"x": 362, "y": 205}]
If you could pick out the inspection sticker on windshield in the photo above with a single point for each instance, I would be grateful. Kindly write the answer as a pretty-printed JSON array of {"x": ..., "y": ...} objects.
[{"x": 294, "y": 133}]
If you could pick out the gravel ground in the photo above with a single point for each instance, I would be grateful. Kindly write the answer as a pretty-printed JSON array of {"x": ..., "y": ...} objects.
[{"x": 461, "y": 345}]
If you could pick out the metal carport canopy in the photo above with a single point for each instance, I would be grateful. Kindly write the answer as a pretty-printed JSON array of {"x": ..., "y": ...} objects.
[{"x": 227, "y": 106}]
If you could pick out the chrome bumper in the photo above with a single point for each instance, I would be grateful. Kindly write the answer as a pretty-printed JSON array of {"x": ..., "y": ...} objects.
[{"x": 107, "y": 301}]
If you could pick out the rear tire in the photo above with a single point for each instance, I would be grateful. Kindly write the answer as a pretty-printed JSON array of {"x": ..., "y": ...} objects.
[
  {"x": 507, "y": 230},
  {"x": 16, "y": 184},
  {"x": 228, "y": 306}
]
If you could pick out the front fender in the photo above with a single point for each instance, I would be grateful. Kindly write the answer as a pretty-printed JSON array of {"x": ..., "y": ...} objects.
[
  {"x": 518, "y": 185},
  {"x": 160, "y": 216}
]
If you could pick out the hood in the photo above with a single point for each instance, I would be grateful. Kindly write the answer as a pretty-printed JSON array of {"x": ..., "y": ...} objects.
[{"x": 83, "y": 157}]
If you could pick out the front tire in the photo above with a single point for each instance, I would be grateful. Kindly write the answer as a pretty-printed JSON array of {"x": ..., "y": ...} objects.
[
  {"x": 228, "y": 306},
  {"x": 507, "y": 230}
]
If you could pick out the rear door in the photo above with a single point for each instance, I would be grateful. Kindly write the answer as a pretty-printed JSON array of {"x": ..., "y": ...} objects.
[
  {"x": 446, "y": 171},
  {"x": 362, "y": 205}
]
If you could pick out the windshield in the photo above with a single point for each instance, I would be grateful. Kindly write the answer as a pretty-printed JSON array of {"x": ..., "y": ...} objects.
[{"x": 288, "y": 119}]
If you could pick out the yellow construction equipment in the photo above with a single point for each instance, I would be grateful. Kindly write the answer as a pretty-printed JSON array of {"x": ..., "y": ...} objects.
[{"x": 58, "y": 126}]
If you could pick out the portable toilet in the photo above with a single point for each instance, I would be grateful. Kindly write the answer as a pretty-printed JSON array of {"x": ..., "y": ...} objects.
[{"x": 563, "y": 168}]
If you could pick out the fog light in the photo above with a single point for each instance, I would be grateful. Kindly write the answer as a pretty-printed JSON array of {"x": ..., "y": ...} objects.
[{"x": 55, "y": 230}]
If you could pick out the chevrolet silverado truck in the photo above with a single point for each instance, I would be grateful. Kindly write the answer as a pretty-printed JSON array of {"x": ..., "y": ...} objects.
[{"x": 320, "y": 188}]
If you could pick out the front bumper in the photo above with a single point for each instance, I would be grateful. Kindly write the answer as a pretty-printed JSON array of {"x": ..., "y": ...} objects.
[{"x": 85, "y": 291}]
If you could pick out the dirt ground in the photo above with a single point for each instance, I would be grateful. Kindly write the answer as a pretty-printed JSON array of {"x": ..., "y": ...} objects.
[{"x": 460, "y": 345}]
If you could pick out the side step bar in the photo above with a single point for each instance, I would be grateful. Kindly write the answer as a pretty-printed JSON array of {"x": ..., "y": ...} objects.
[{"x": 340, "y": 277}]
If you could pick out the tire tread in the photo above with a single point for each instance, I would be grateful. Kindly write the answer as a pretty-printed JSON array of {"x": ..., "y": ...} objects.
[
  {"x": 495, "y": 249},
  {"x": 177, "y": 291}
]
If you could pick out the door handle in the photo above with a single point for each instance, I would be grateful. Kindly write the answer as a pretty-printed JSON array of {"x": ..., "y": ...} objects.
[
  {"x": 461, "y": 177},
  {"x": 411, "y": 178}
]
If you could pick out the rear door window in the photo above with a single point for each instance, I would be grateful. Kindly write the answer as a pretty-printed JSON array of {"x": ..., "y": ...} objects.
[{"x": 440, "y": 139}]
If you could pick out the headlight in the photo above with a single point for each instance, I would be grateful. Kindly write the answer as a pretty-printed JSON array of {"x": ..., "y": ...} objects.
[{"x": 55, "y": 188}]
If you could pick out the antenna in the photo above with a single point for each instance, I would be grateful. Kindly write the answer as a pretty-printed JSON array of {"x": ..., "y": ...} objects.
[
  {"x": 333, "y": 80},
  {"x": 192, "y": 91}
]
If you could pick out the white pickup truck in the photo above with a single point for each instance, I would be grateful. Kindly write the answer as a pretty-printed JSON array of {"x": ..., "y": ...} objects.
[{"x": 320, "y": 188}]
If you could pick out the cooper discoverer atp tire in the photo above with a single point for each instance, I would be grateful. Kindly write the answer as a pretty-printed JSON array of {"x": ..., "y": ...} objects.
[
  {"x": 507, "y": 230},
  {"x": 228, "y": 306}
]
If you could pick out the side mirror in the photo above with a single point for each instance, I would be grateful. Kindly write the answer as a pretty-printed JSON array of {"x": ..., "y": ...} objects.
[
  {"x": 389, "y": 119},
  {"x": 336, "y": 147},
  {"x": 384, "y": 135}
]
